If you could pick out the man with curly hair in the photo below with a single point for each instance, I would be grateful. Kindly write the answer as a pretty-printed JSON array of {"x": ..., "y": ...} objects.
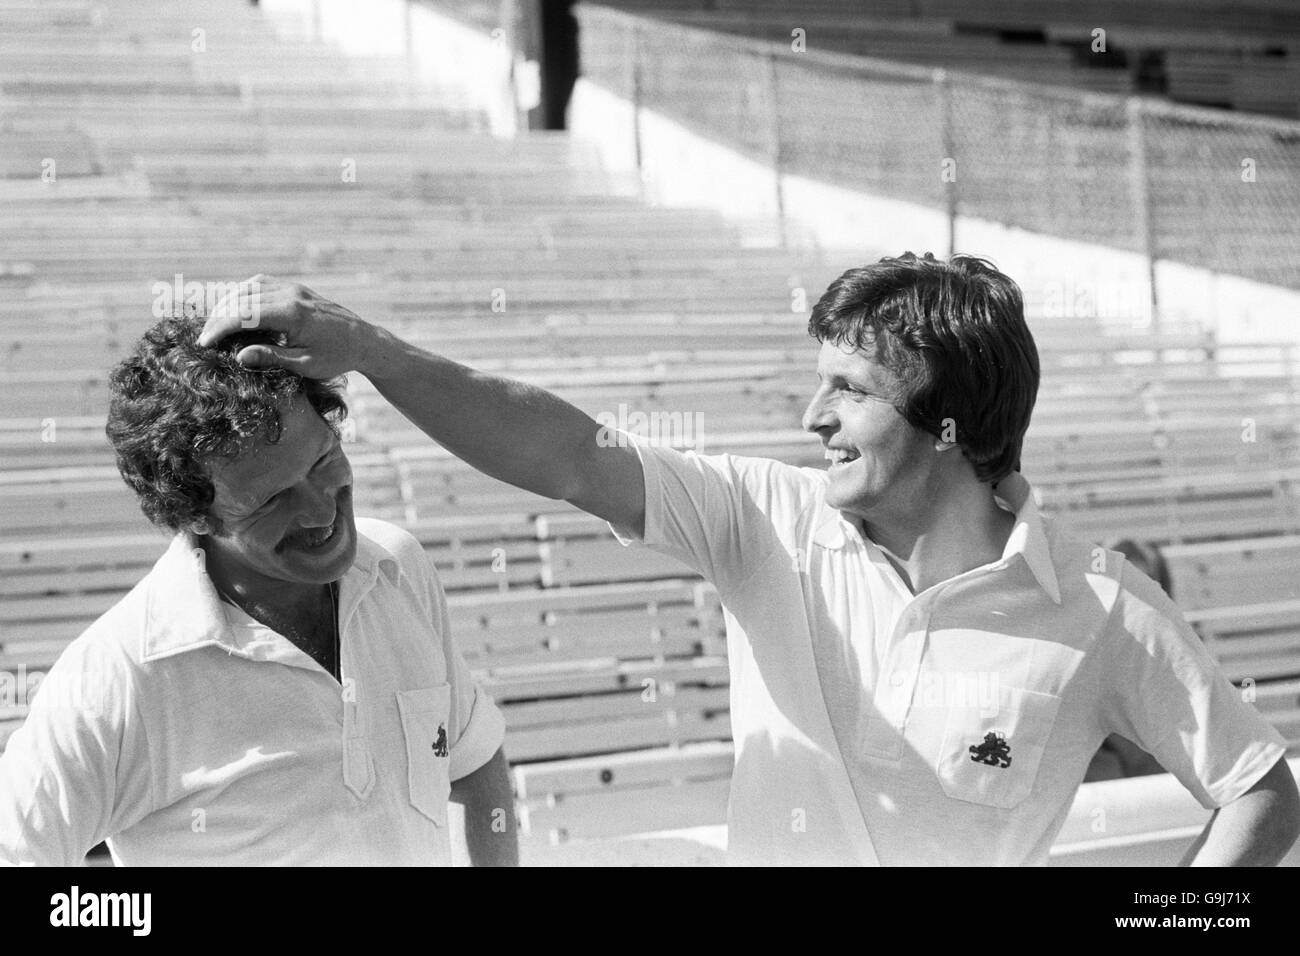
[
  {"x": 922, "y": 664},
  {"x": 282, "y": 687}
]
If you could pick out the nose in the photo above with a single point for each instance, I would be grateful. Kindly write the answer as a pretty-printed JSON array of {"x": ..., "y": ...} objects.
[
  {"x": 818, "y": 414},
  {"x": 318, "y": 508}
]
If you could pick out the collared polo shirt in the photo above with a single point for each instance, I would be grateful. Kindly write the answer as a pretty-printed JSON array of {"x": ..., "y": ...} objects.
[
  {"x": 184, "y": 732},
  {"x": 948, "y": 727}
]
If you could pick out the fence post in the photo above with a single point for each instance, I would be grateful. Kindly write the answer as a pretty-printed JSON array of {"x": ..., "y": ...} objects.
[
  {"x": 1139, "y": 185},
  {"x": 947, "y": 142},
  {"x": 508, "y": 14},
  {"x": 774, "y": 132},
  {"x": 408, "y": 42},
  {"x": 636, "y": 108}
]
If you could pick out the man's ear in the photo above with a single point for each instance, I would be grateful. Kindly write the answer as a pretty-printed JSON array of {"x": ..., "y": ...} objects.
[{"x": 947, "y": 437}]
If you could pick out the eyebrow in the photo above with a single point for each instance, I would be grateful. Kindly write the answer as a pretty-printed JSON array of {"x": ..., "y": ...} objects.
[{"x": 857, "y": 381}]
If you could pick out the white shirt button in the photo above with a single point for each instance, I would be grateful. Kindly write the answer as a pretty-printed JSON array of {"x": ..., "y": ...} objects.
[{"x": 897, "y": 679}]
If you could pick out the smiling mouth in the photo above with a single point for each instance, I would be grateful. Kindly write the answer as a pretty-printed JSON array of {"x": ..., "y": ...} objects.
[
  {"x": 841, "y": 456},
  {"x": 320, "y": 538}
]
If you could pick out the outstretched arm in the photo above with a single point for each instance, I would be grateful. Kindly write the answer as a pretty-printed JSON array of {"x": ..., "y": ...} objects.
[{"x": 518, "y": 433}]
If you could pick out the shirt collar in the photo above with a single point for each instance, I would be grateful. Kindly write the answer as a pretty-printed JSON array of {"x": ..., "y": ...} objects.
[
  {"x": 183, "y": 611},
  {"x": 1028, "y": 538}
]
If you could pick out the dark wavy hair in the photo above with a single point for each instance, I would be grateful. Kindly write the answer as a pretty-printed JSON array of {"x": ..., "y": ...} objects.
[
  {"x": 954, "y": 334},
  {"x": 175, "y": 406}
]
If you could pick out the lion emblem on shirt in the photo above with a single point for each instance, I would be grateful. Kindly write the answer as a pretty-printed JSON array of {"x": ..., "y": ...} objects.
[{"x": 994, "y": 751}]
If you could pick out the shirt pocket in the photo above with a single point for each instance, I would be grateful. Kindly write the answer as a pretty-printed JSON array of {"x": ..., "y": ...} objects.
[
  {"x": 992, "y": 757},
  {"x": 428, "y": 751}
]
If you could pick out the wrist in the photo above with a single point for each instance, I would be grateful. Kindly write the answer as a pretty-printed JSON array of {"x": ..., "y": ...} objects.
[{"x": 374, "y": 349}]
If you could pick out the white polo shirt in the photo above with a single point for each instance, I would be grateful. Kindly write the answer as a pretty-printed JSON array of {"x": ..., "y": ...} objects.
[
  {"x": 947, "y": 728},
  {"x": 184, "y": 732}
]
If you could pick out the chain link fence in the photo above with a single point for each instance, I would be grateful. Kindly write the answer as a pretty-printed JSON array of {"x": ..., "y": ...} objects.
[
  {"x": 1046, "y": 159},
  {"x": 1224, "y": 192},
  {"x": 829, "y": 130},
  {"x": 1212, "y": 190}
]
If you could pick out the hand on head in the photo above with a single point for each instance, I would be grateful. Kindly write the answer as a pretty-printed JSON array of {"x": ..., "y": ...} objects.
[{"x": 320, "y": 335}]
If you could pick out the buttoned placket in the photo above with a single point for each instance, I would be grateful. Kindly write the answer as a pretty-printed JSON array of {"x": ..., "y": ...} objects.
[
  {"x": 900, "y": 665},
  {"x": 358, "y": 764}
]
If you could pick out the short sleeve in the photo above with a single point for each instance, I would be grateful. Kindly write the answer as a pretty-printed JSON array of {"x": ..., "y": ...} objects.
[
  {"x": 478, "y": 727},
  {"x": 76, "y": 772},
  {"x": 1169, "y": 697},
  {"x": 720, "y": 515}
]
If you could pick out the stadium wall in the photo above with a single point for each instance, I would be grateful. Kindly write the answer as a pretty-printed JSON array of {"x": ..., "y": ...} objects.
[{"x": 474, "y": 63}]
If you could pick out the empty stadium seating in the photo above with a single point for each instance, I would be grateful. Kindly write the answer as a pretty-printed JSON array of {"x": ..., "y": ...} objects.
[
  {"x": 523, "y": 257},
  {"x": 1243, "y": 597}
]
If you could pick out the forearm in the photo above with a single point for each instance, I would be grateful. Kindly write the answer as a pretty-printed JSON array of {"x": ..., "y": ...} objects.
[
  {"x": 1229, "y": 841},
  {"x": 515, "y": 432},
  {"x": 1234, "y": 839},
  {"x": 1256, "y": 829},
  {"x": 487, "y": 815}
]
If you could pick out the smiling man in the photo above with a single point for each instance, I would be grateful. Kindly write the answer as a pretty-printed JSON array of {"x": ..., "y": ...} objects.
[
  {"x": 922, "y": 665},
  {"x": 282, "y": 687}
]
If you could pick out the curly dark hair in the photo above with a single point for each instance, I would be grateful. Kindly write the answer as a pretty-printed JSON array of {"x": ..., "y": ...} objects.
[
  {"x": 954, "y": 333},
  {"x": 176, "y": 405}
]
